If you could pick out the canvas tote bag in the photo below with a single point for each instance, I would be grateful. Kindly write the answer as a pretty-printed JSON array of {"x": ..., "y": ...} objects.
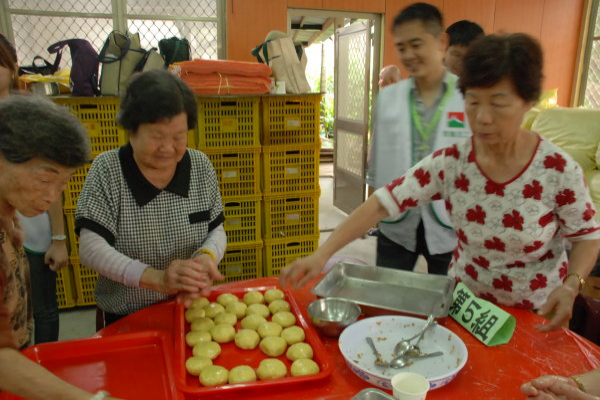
[
  {"x": 281, "y": 55},
  {"x": 119, "y": 56}
]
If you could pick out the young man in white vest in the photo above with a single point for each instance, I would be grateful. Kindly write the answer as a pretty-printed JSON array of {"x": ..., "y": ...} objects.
[{"x": 414, "y": 118}]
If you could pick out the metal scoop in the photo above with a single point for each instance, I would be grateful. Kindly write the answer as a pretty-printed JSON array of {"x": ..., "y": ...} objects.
[
  {"x": 378, "y": 360},
  {"x": 404, "y": 361},
  {"x": 404, "y": 345}
]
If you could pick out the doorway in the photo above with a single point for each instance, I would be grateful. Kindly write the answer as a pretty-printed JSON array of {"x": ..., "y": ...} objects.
[{"x": 343, "y": 51}]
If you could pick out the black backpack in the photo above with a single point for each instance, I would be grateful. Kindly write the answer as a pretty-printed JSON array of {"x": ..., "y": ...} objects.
[
  {"x": 84, "y": 71},
  {"x": 174, "y": 50}
]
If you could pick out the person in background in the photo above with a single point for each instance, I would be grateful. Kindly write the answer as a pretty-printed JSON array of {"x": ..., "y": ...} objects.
[
  {"x": 150, "y": 213},
  {"x": 37, "y": 158},
  {"x": 579, "y": 387},
  {"x": 45, "y": 240},
  {"x": 388, "y": 75},
  {"x": 460, "y": 36},
  {"x": 513, "y": 197},
  {"x": 415, "y": 117}
]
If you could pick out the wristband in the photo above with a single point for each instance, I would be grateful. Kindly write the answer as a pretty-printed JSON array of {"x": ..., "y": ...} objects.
[
  {"x": 578, "y": 383},
  {"x": 101, "y": 395},
  {"x": 210, "y": 253},
  {"x": 579, "y": 278},
  {"x": 58, "y": 237}
]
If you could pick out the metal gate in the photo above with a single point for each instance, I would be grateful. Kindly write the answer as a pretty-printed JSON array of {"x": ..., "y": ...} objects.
[{"x": 353, "y": 61}]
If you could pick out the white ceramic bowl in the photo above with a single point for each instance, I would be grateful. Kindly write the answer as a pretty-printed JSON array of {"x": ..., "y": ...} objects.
[{"x": 386, "y": 331}]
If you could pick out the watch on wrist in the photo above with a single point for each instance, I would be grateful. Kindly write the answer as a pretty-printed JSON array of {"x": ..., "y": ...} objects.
[
  {"x": 58, "y": 237},
  {"x": 579, "y": 278}
]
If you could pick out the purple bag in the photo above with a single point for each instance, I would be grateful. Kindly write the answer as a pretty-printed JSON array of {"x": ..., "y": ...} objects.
[{"x": 84, "y": 71}]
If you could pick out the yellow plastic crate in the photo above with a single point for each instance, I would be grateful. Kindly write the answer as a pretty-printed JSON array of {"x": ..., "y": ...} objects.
[
  {"x": 238, "y": 171},
  {"x": 225, "y": 122},
  {"x": 65, "y": 289},
  {"x": 291, "y": 215},
  {"x": 72, "y": 237},
  {"x": 280, "y": 253},
  {"x": 75, "y": 185},
  {"x": 288, "y": 169},
  {"x": 85, "y": 282},
  {"x": 192, "y": 142},
  {"x": 242, "y": 220},
  {"x": 98, "y": 115},
  {"x": 291, "y": 119},
  {"x": 242, "y": 262}
]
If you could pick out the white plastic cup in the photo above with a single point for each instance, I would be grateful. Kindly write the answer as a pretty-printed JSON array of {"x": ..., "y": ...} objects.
[{"x": 410, "y": 386}]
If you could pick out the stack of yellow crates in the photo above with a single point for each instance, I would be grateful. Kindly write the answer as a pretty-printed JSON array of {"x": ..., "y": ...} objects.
[
  {"x": 98, "y": 116},
  {"x": 229, "y": 134},
  {"x": 290, "y": 181}
]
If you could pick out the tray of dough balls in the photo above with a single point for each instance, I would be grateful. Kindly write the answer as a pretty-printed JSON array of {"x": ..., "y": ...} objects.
[{"x": 246, "y": 338}]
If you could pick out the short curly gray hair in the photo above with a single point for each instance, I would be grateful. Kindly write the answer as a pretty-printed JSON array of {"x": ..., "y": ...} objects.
[{"x": 34, "y": 127}]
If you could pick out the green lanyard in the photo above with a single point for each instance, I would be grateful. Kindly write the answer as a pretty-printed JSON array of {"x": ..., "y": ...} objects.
[{"x": 425, "y": 131}]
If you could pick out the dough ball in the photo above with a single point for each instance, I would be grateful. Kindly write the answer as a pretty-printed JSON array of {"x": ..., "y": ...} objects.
[
  {"x": 194, "y": 313},
  {"x": 259, "y": 309},
  {"x": 252, "y": 321},
  {"x": 271, "y": 368},
  {"x": 273, "y": 346},
  {"x": 207, "y": 350},
  {"x": 237, "y": 308},
  {"x": 298, "y": 351},
  {"x": 194, "y": 337},
  {"x": 274, "y": 294},
  {"x": 246, "y": 339},
  {"x": 199, "y": 303},
  {"x": 242, "y": 374},
  {"x": 284, "y": 318},
  {"x": 269, "y": 329},
  {"x": 225, "y": 318},
  {"x": 214, "y": 375},
  {"x": 279, "y": 305},
  {"x": 223, "y": 333},
  {"x": 226, "y": 298},
  {"x": 293, "y": 334},
  {"x": 213, "y": 309},
  {"x": 304, "y": 366},
  {"x": 196, "y": 364},
  {"x": 254, "y": 297},
  {"x": 202, "y": 324}
]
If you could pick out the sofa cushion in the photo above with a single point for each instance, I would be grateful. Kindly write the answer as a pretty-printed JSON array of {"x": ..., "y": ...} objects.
[{"x": 575, "y": 130}]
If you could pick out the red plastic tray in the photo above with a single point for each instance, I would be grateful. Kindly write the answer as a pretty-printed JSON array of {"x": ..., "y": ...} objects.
[
  {"x": 232, "y": 356},
  {"x": 98, "y": 363}
]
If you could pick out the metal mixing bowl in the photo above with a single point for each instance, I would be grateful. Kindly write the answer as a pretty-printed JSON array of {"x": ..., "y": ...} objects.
[{"x": 332, "y": 315}]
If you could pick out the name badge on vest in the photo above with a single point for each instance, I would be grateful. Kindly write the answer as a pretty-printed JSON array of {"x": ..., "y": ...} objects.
[{"x": 455, "y": 126}]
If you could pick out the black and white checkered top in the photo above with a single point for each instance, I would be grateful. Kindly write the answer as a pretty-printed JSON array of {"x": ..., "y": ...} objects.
[{"x": 145, "y": 223}]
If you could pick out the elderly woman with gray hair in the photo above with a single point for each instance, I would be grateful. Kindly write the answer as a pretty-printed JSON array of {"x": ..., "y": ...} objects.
[{"x": 41, "y": 144}]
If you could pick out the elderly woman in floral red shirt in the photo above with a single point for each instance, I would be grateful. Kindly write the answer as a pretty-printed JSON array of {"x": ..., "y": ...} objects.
[{"x": 514, "y": 198}]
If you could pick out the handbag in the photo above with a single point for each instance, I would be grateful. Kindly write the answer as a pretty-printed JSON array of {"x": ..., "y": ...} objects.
[
  {"x": 84, "y": 71},
  {"x": 120, "y": 55},
  {"x": 40, "y": 66},
  {"x": 282, "y": 56},
  {"x": 174, "y": 50}
]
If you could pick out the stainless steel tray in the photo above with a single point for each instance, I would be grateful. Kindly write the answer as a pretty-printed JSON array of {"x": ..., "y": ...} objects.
[
  {"x": 388, "y": 289},
  {"x": 372, "y": 394}
]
